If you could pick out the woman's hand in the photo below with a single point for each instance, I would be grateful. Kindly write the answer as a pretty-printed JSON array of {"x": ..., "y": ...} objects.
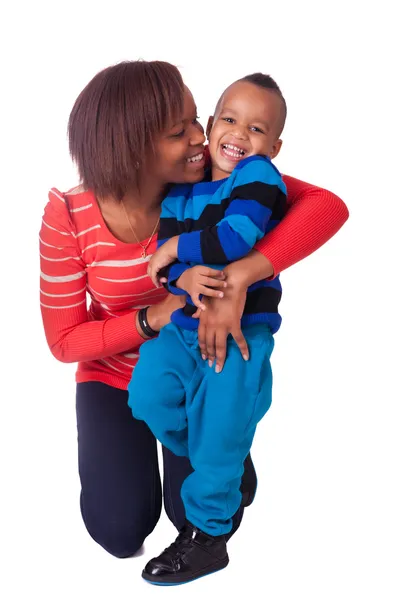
[
  {"x": 159, "y": 314},
  {"x": 223, "y": 315},
  {"x": 221, "y": 319}
]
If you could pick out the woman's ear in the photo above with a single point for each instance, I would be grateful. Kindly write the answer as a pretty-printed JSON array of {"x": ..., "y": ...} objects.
[{"x": 209, "y": 126}]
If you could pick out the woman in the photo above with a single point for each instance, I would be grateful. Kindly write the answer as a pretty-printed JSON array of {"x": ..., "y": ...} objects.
[{"x": 134, "y": 130}]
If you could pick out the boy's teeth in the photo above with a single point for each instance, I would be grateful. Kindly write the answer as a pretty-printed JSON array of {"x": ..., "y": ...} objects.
[
  {"x": 196, "y": 158},
  {"x": 233, "y": 150}
]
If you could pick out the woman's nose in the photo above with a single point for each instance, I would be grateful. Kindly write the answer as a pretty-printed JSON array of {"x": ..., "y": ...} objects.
[{"x": 197, "y": 137}]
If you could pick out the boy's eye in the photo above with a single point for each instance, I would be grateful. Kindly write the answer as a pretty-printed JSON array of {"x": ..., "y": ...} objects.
[
  {"x": 256, "y": 129},
  {"x": 228, "y": 119}
]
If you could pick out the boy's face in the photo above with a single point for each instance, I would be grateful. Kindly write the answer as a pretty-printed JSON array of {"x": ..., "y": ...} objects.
[{"x": 247, "y": 121}]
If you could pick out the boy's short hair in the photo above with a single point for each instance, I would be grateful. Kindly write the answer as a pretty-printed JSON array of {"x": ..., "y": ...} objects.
[
  {"x": 266, "y": 82},
  {"x": 116, "y": 119}
]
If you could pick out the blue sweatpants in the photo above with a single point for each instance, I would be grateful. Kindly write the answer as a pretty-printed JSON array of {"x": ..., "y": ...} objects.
[{"x": 210, "y": 418}]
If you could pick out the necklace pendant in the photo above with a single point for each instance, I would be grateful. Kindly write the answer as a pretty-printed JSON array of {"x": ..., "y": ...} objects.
[{"x": 144, "y": 253}]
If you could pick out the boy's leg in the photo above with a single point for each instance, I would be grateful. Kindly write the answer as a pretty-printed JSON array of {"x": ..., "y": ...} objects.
[
  {"x": 222, "y": 419},
  {"x": 176, "y": 470},
  {"x": 158, "y": 386}
]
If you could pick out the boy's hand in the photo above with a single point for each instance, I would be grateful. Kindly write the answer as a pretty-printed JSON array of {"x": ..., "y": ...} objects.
[
  {"x": 204, "y": 281},
  {"x": 163, "y": 257}
]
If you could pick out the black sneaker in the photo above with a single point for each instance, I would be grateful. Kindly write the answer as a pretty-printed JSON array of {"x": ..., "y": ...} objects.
[
  {"x": 249, "y": 482},
  {"x": 192, "y": 555}
]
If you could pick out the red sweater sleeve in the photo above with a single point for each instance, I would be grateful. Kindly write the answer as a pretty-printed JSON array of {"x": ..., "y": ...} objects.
[
  {"x": 69, "y": 333},
  {"x": 314, "y": 216}
]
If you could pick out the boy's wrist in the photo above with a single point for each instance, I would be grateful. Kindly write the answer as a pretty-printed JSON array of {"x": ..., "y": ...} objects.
[
  {"x": 180, "y": 282},
  {"x": 172, "y": 246}
]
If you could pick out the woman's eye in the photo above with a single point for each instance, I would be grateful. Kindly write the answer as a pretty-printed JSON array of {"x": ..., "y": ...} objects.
[
  {"x": 179, "y": 134},
  {"x": 228, "y": 119}
]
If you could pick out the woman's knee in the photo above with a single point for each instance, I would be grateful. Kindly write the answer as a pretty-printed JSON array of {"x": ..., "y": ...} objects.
[
  {"x": 120, "y": 544},
  {"x": 121, "y": 538}
]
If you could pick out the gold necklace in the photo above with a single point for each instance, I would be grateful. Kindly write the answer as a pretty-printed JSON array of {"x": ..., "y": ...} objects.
[{"x": 143, "y": 247}]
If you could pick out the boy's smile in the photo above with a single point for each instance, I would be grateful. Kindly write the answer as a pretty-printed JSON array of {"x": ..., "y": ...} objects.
[
  {"x": 246, "y": 122},
  {"x": 232, "y": 152}
]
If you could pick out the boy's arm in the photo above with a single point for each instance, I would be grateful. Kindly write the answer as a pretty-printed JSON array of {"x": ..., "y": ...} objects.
[
  {"x": 169, "y": 229},
  {"x": 195, "y": 281},
  {"x": 256, "y": 202}
]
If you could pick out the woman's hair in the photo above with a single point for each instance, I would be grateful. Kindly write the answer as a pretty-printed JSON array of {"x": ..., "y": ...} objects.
[{"x": 116, "y": 119}]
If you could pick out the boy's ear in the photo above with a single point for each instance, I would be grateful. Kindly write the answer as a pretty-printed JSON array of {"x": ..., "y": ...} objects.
[
  {"x": 209, "y": 126},
  {"x": 276, "y": 148}
]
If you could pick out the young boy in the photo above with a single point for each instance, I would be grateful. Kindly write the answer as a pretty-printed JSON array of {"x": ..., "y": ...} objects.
[{"x": 192, "y": 409}]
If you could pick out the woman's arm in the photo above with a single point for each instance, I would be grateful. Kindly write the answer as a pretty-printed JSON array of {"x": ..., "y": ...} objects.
[
  {"x": 314, "y": 216},
  {"x": 70, "y": 335}
]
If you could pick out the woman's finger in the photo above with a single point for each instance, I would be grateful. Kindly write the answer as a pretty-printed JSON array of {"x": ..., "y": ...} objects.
[
  {"x": 241, "y": 342},
  {"x": 210, "y": 345},
  {"x": 201, "y": 334},
  {"x": 220, "y": 349}
]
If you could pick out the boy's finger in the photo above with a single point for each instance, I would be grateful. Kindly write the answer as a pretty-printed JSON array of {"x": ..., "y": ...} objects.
[
  {"x": 153, "y": 277},
  {"x": 197, "y": 302},
  {"x": 214, "y": 283},
  {"x": 206, "y": 291},
  {"x": 216, "y": 273}
]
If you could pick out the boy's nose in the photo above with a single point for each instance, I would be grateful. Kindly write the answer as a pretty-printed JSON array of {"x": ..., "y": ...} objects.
[{"x": 240, "y": 133}]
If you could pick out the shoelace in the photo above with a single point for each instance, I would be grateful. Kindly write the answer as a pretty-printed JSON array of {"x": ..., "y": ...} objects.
[{"x": 175, "y": 549}]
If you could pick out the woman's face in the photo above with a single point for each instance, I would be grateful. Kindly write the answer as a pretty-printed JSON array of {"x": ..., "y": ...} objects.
[{"x": 179, "y": 156}]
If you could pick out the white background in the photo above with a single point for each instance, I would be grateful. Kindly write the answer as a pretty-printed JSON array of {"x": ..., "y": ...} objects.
[{"x": 325, "y": 523}]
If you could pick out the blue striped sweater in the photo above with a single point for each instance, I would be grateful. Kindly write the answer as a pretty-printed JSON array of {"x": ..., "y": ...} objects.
[{"x": 219, "y": 222}]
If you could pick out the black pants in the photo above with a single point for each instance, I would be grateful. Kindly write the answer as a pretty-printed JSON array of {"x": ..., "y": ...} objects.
[{"x": 121, "y": 494}]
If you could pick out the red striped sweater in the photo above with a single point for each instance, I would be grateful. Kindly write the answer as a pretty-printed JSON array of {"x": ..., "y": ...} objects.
[{"x": 81, "y": 259}]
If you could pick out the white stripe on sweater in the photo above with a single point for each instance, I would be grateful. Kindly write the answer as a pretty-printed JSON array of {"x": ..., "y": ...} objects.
[
  {"x": 54, "y": 229},
  {"x": 62, "y": 307},
  {"x": 59, "y": 259},
  {"x": 120, "y": 263},
  {"x": 123, "y": 280},
  {"x": 80, "y": 208},
  {"x": 62, "y": 278}
]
